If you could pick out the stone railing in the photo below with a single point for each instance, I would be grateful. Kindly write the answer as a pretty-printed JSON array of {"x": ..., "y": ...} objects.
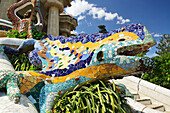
[
  {"x": 156, "y": 93},
  {"x": 11, "y": 42},
  {"x": 4, "y": 27}
]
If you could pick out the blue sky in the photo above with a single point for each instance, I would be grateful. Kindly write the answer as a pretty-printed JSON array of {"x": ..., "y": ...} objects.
[{"x": 154, "y": 14}]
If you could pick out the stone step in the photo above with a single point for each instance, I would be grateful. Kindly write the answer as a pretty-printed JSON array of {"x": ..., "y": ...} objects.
[
  {"x": 157, "y": 107},
  {"x": 144, "y": 101},
  {"x": 144, "y": 98},
  {"x": 136, "y": 95}
]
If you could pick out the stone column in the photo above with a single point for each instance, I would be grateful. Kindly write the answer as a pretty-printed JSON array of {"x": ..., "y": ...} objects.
[
  {"x": 54, "y": 8},
  {"x": 53, "y": 21}
]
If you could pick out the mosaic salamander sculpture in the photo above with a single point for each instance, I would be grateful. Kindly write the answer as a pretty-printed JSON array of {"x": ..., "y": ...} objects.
[
  {"x": 27, "y": 23},
  {"x": 67, "y": 62}
]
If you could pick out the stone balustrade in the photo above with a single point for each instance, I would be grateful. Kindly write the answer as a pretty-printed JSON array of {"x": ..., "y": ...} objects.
[{"x": 5, "y": 25}]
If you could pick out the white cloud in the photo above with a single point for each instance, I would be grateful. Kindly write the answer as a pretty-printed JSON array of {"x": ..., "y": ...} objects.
[
  {"x": 78, "y": 7},
  {"x": 81, "y": 17},
  {"x": 82, "y": 32},
  {"x": 121, "y": 20},
  {"x": 110, "y": 16},
  {"x": 97, "y": 12},
  {"x": 118, "y": 22},
  {"x": 157, "y": 35},
  {"x": 74, "y": 32},
  {"x": 81, "y": 8}
]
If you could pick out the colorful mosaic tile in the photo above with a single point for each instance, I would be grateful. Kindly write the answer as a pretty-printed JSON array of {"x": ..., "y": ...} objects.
[
  {"x": 5, "y": 28},
  {"x": 10, "y": 79},
  {"x": 67, "y": 62}
]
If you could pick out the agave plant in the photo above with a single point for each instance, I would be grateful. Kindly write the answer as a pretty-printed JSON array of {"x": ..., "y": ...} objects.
[
  {"x": 21, "y": 63},
  {"x": 98, "y": 97}
]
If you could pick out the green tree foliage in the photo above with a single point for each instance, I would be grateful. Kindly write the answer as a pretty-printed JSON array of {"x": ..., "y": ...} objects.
[
  {"x": 160, "y": 74},
  {"x": 142, "y": 53},
  {"x": 164, "y": 45},
  {"x": 102, "y": 29},
  {"x": 98, "y": 97},
  {"x": 21, "y": 62}
]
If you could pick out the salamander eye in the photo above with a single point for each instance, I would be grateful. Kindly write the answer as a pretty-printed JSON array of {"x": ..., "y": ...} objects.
[
  {"x": 122, "y": 39},
  {"x": 100, "y": 56}
]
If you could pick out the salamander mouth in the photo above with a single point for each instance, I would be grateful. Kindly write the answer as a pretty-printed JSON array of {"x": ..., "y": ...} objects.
[
  {"x": 145, "y": 64},
  {"x": 132, "y": 50}
]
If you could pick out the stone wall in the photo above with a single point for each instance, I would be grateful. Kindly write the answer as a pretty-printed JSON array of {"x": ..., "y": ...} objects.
[{"x": 4, "y": 5}]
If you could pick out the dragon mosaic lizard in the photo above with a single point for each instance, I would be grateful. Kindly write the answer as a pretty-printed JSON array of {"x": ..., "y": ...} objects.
[{"x": 67, "y": 62}]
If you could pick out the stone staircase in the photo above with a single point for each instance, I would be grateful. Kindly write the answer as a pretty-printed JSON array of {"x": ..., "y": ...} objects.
[{"x": 146, "y": 100}]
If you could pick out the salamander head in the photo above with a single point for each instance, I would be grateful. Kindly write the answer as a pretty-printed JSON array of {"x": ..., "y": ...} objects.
[{"x": 122, "y": 51}]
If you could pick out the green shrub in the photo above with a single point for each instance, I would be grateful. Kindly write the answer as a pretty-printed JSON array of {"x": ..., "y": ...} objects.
[
  {"x": 16, "y": 34},
  {"x": 160, "y": 74},
  {"x": 35, "y": 34},
  {"x": 92, "y": 98},
  {"x": 21, "y": 62}
]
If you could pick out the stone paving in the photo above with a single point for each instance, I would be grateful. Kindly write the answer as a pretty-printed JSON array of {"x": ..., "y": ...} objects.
[{"x": 7, "y": 106}]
